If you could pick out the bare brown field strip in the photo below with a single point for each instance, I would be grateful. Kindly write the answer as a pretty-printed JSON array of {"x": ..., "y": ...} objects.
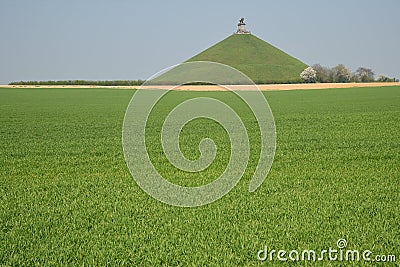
[{"x": 263, "y": 87}]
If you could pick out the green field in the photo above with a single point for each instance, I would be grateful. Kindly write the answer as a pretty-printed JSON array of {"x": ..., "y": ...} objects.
[{"x": 67, "y": 198}]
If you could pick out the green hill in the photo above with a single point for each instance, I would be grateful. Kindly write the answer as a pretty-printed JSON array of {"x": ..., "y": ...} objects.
[{"x": 259, "y": 60}]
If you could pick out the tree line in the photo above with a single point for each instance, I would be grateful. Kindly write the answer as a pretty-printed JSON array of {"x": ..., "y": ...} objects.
[
  {"x": 82, "y": 82},
  {"x": 341, "y": 74},
  {"x": 313, "y": 74}
]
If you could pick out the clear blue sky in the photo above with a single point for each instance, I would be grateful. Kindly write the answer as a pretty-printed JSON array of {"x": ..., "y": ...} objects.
[{"x": 99, "y": 40}]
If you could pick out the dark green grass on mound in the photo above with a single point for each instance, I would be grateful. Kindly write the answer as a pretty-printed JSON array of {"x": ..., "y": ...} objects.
[
  {"x": 259, "y": 60},
  {"x": 67, "y": 198}
]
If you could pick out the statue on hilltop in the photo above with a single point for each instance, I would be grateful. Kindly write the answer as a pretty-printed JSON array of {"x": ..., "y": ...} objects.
[{"x": 242, "y": 27}]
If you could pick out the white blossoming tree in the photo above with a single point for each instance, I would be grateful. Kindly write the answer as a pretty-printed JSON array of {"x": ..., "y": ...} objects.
[{"x": 309, "y": 75}]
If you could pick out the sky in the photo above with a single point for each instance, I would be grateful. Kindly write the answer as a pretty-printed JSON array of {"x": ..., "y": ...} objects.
[{"x": 129, "y": 40}]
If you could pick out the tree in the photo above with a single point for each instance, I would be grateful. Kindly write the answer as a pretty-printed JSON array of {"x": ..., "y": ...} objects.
[
  {"x": 322, "y": 73},
  {"x": 354, "y": 78},
  {"x": 383, "y": 78},
  {"x": 309, "y": 75},
  {"x": 365, "y": 75},
  {"x": 340, "y": 74}
]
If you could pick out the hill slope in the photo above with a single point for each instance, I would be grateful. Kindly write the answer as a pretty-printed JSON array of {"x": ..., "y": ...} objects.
[{"x": 259, "y": 60}]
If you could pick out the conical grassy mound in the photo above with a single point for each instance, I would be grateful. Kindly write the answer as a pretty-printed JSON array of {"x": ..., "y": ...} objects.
[{"x": 259, "y": 60}]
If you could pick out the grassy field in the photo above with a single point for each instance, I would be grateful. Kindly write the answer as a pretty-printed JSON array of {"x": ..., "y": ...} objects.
[
  {"x": 67, "y": 198},
  {"x": 259, "y": 60}
]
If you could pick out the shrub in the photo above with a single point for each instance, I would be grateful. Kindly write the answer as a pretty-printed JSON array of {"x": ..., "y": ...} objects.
[{"x": 309, "y": 75}]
